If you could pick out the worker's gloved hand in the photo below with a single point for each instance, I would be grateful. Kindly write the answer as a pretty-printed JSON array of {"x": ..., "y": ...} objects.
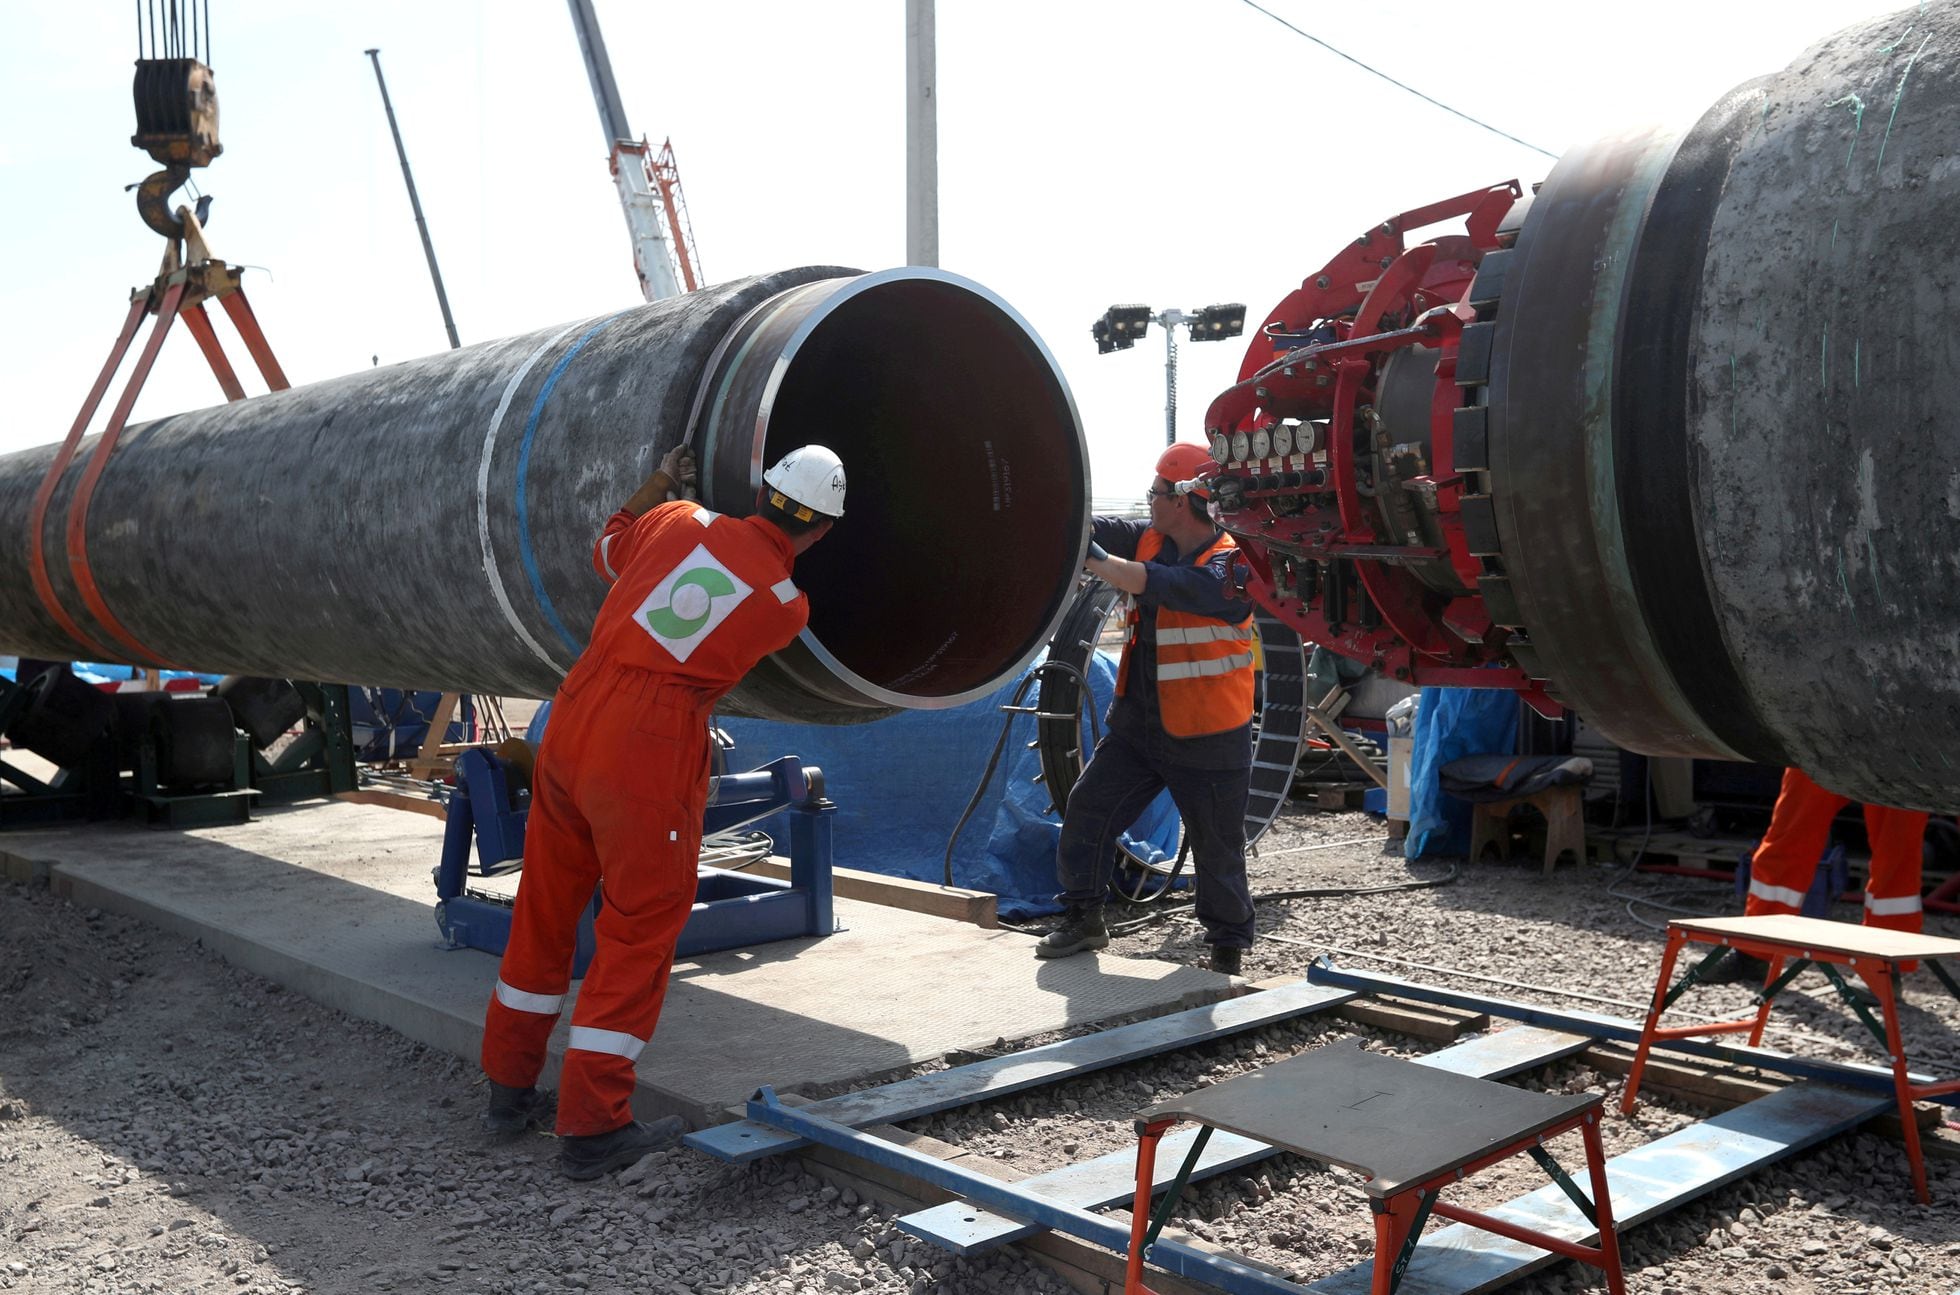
[
  {"x": 1097, "y": 553},
  {"x": 678, "y": 463}
]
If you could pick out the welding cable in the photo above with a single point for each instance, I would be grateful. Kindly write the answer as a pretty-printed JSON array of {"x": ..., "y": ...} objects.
[
  {"x": 1136, "y": 898},
  {"x": 735, "y": 850},
  {"x": 1012, "y": 709},
  {"x": 1276, "y": 896},
  {"x": 1653, "y": 899}
]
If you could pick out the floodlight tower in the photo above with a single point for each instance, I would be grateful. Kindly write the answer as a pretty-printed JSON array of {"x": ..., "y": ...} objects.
[{"x": 1121, "y": 327}]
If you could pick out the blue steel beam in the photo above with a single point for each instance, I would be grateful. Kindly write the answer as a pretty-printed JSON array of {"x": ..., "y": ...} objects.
[
  {"x": 1851, "y": 1074},
  {"x": 741, "y": 1141}
]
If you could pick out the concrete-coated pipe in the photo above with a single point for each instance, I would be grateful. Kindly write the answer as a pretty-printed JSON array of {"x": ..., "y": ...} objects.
[
  {"x": 1725, "y": 417},
  {"x": 430, "y": 524}
]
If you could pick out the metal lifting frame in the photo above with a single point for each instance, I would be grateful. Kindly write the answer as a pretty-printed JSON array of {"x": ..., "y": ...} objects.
[
  {"x": 189, "y": 277},
  {"x": 731, "y": 909}
]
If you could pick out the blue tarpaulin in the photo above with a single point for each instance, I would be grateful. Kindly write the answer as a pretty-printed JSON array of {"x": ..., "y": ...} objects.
[
  {"x": 1452, "y": 723},
  {"x": 900, "y": 785}
]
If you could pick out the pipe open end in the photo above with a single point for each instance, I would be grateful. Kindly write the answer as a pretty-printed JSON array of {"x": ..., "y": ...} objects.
[{"x": 967, "y": 501}]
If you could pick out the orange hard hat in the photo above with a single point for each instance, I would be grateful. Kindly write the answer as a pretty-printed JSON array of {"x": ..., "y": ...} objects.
[{"x": 1182, "y": 462}]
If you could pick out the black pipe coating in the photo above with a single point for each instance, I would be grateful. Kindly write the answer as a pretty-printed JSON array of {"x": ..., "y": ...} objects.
[
  {"x": 1722, "y": 435},
  {"x": 430, "y": 524}
]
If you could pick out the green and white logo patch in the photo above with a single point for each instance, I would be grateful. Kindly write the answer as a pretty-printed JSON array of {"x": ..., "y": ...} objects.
[{"x": 687, "y": 606}]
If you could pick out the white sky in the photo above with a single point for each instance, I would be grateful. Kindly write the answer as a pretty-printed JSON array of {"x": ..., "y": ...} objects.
[{"x": 1174, "y": 152}]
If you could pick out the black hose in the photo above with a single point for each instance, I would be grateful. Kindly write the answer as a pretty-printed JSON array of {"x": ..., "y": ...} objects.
[
  {"x": 1272, "y": 896},
  {"x": 1000, "y": 744}
]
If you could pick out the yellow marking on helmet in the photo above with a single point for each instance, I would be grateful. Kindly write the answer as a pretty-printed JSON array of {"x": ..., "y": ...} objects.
[{"x": 777, "y": 499}]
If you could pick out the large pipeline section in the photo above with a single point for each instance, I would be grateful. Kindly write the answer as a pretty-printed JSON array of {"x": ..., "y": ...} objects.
[
  {"x": 431, "y": 524},
  {"x": 1674, "y": 441}
]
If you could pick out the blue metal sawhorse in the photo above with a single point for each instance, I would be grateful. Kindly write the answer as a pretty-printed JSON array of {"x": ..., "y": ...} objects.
[{"x": 731, "y": 909}]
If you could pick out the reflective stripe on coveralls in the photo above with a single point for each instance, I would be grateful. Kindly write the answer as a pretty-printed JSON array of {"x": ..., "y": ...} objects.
[
  {"x": 1784, "y": 865},
  {"x": 518, "y": 1000},
  {"x": 619, "y": 792}
]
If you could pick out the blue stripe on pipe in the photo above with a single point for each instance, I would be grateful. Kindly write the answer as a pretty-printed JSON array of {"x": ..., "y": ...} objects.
[{"x": 524, "y": 550}]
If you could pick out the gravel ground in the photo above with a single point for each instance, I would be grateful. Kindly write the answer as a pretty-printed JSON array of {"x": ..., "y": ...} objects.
[{"x": 170, "y": 1124}]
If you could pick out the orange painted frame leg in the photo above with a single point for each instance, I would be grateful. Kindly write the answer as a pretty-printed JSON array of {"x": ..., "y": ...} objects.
[
  {"x": 199, "y": 325},
  {"x": 1877, "y": 974},
  {"x": 1675, "y": 939},
  {"x": 105, "y": 445},
  {"x": 1776, "y": 961},
  {"x": 1147, "y": 1138},
  {"x": 1609, "y": 1236},
  {"x": 37, "y": 557},
  {"x": 1397, "y": 1217},
  {"x": 247, "y": 324}
]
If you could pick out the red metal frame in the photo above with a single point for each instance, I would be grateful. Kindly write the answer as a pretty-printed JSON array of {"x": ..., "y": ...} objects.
[
  {"x": 1378, "y": 296},
  {"x": 1877, "y": 973},
  {"x": 1396, "y": 1215},
  {"x": 178, "y": 292},
  {"x": 666, "y": 174}
]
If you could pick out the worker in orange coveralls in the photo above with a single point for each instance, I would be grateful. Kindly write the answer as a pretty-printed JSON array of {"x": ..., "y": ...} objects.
[
  {"x": 1784, "y": 865},
  {"x": 1799, "y": 829},
  {"x": 621, "y": 785}
]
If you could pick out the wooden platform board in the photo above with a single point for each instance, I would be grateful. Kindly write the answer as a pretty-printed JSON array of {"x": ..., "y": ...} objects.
[{"x": 1851, "y": 939}]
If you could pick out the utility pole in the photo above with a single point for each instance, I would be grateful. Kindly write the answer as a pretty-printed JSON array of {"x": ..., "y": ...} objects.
[
  {"x": 1121, "y": 327},
  {"x": 428, "y": 248},
  {"x": 921, "y": 134},
  {"x": 1170, "y": 319}
]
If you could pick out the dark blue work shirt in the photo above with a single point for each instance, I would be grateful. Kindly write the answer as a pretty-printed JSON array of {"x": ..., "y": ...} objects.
[{"x": 1172, "y": 580}]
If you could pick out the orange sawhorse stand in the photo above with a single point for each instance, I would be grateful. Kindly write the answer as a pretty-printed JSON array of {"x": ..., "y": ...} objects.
[
  {"x": 190, "y": 276},
  {"x": 1874, "y": 952},
  {"x": 1412, "y": 1129}
]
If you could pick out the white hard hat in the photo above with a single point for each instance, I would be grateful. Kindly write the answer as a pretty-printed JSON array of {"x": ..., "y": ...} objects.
[{"x": 810, "y": 475}]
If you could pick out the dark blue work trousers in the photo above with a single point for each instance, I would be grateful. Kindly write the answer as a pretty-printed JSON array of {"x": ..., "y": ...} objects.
[{"x": 1118, "y": 785}]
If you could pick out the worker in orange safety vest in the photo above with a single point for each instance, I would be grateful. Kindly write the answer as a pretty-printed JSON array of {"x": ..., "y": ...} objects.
[
  {"x": 621, "y": 785},
  {"x": 1181, "y": 721}
]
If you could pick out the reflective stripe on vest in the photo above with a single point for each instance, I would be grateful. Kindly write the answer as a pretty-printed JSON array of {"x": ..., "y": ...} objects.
[{"x": 1205, "y": 674}]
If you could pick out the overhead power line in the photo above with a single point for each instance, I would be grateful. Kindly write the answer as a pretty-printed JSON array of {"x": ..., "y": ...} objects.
[{"x": 1398, "y": 84}]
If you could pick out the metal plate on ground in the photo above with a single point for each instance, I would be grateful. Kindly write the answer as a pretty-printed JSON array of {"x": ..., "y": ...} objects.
[{"x": 745, "y": 1140}]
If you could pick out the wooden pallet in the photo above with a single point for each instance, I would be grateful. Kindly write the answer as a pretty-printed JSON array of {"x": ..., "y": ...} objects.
[
  {"x": 1623, "y": 845},
  {"x": 1331, "y": 795}
]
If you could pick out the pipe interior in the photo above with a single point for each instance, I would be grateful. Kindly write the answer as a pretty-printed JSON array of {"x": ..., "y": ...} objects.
[{"x": 966, "y": 492}]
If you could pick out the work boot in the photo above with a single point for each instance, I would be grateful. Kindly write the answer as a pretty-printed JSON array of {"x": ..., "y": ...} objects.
[
  {"x": 1226, "y": 959},
  {"x": 1081, "y": 929},
  {"x": 593, "y": 1155},
  {"x": 1736, "y": 967},
  {"x": 511, "y": 1110}
]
